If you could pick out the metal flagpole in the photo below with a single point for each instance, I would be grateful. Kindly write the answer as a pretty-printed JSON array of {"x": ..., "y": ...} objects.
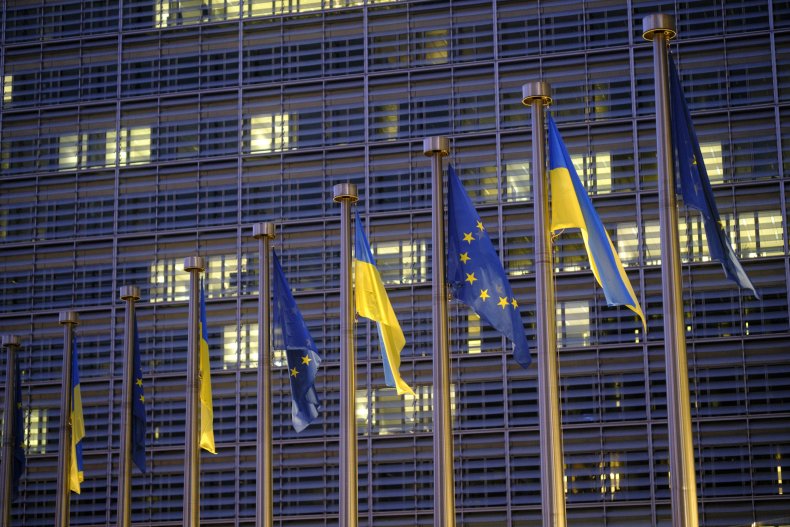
[
  {"x": 346, "y": 194},
  {"x": 537, "y": 94},
  {"x": 129, "y": 294},
  {"x": 11, "y": 344},
  {"x": 264, "y": 233},
  {"x": 67, "y": 319},
  {"x": 683, "y": 486},
  {"x": 194, "y": 265},
  {"x": 436, "y": 148}
]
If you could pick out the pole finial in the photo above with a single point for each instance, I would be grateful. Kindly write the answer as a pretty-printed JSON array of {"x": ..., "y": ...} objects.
[
  {"x": 343, "y": 191},
  {"x": 263, "y": 230},
  {"x": 68, "y": 317},
  {"x": 437, "y": 144},
  {"x": 195, "y": 263},
  {"x": 130, "y": 292},
  {"x": 658, "y": 23},
  {"x": 11, "y": 341},
  {"x": 536, "y": 91}
]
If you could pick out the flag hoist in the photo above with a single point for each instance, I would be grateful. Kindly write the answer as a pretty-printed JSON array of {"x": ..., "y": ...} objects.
[
  {"x": 12, "y": 430},
  {"x": 72, "y": 427},
  {"x": 346, "y": 194}
]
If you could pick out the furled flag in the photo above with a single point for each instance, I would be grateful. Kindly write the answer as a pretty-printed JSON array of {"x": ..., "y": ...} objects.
[
  {"x": 474, "y": 272},
  {"x": 372, "y": 302},
  {"x": 571, "y": 208},
  {"x": 290, "y": 333},
  {"x": 76, "y": 470},
  {"x": 138, "y": 405},
  {"x": 206, "y": 404},
  {"x": 19, "y": 442},
  {"x": 695, "y": 185}
]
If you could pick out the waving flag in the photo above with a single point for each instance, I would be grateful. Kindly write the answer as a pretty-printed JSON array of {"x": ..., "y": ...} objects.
[
  {"x": 138, "y": 405},
  {"x": 19, "y": 441},
  {"x": 76, "y": 470},
  {"x": 206, "y": 404}
]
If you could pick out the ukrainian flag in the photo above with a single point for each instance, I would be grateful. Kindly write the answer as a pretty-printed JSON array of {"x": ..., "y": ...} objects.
[
  {"x": 571, "y": 208},
  {"x": 76, "y": 470},
  {"x": 206, "y": 407},
  {"x": 373, "y": 303}
]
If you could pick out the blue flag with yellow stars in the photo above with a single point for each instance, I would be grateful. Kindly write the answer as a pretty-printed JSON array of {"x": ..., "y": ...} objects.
[
  {"x": 695, "y": 185},
  {"x": 19, "y": 439},
  {"x": 138, "y": 405},
  {"x": 76, "y": 469},
  {"x": 475, "y": 274},
  {"x": 290, "y": 333}
]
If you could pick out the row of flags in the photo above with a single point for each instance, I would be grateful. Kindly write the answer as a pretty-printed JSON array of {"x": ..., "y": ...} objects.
[{"x": 474, "y": 273}]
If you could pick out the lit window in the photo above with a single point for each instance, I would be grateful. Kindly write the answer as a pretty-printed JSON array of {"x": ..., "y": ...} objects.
[
  {"x": 401, "y": 262},
  {"x": 386, "y": 120},
  {"x": 627, "y": 243},
  {"x": 435, "y": 46},
  {"x": 389, "y": 413},
  {"x": 36, "y": 436},
  {"x": 169, "y": 282},
  {"x": 68, "y": 151},
  {"x": 711, "y": 153},
  {"x": 134, "y": 146},
  {"x": 595, "y": 172},
  {"x": 474, "y": 341},
  {"x": 652, "y": 243},
  {"x": 517, "y": 181},
  {"x": 760, "y": 233},
  {"x": 247, "y": 348},
  {"x": 269, "y": 133},
  {"x": 8, "y": 87},
  {"x": 573, "y": 323}
]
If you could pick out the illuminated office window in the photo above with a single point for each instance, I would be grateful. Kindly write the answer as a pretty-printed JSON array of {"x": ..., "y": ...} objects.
[
  {"x": 610, "y": 475},
  {"x": 693, "y": 245},
  {"x": 652, "y": 242},
  {"x": 134, "y": 147},
  {"x": 386, "y": 121},
  {"x": 68, "y": 151},
  {"x": 628, "y": 243},
  {"x": 711, "y": 153},
  {"x": 401, "y": 262},
  {"x": 36, "y": 436},
  {"x": 269, "y": 133},
  {"x": 573, "y": 323},
  {"x": 474, "y": 339},
  {"x": 222, "y": 275},
  {"x": 595, "y": 172},
  {"x": 434, "y": 46},
  {"x": 518, "y": 185},
  {"x": 246, "y": 345},
  {"x": 389, "y": 413},
  {"x": 169, "y": 282},
  {"x": 760, "y": 234},
  {"x": 8, "y": 87}
]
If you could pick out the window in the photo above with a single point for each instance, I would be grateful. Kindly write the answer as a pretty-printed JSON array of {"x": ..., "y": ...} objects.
[
  {"x": 36, "y": 433},
  {"x": 8, "y": 87},
  {"x": 595, "y": 172},
  {"x": 269, "y": 133},
  {"x": 573, "y": 323}
]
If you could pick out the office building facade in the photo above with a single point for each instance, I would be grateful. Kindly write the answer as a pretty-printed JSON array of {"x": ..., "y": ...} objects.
[{"x": 135, "y": 133}]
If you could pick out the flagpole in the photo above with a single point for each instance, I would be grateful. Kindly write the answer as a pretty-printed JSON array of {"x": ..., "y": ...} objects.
[
  {"x": 436, "y": 148},
  {"x": 194, "y": 265},
  {"x": 129, "y": 294},
  {"x": 264, "y": 233},
  {"x": 67, "y": 319},
  {"x": 660, "y": 29},
  {"x": 537, "y": 94},
  {"x": 346, "y": 194},
  {"x": 11, "y": 344}
]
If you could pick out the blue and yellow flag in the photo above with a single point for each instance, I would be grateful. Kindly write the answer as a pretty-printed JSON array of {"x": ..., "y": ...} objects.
[
  {"x": 695, "y": 185},
  {"x": 138, "y": 405},
  {"x": 372, "y": 302},
  {"x": 290, "y": 333},
  {"x": 571, "y": 208},
  {"x": 474, "y": 272},
  {"x": 19, "y": 438},
  {"x": 76, "y": 470},
  {"x": 206, "y": 404}
]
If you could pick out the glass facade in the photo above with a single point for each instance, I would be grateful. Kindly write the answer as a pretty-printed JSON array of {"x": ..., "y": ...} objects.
[{"x": 134, "y": 133}]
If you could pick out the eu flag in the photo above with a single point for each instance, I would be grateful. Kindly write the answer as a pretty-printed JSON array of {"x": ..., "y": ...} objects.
[
  {"x": 77, "y": 469},
  {"x": 206, "y": 404},
  {"x": 290, "y": 333},
  {"x": 474, "y": 272},
  {"x": 138, "y": 405},
  {"x": 571, "y": 208},
  {"x": 695, "y": 185},
  {"x": 372, "y": 302},
  {"x": 19, "y": 441}
]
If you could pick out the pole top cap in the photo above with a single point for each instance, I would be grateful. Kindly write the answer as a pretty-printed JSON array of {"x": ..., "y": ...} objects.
[
  {"x": 345, "y": 191},
  {"x": 195, "y": 263},
  {"x": 68, "y": 317},
  {"x": 437, "y": 144},
  {"x": 11, "y": 341},
  {"x": 130, "y": 292},
  {"x": 263, "y": 230},
  {"x": 536, "y": 91},
  {"x": 658, "y": 23}
]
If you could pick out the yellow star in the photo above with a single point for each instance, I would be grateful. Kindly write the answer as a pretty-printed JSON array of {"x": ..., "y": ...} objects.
[
  {"x": 502, "y": 302},
  {"x": 306, "y": 359},
  {"x": 465, "y": 257},
  {"x": 468, "y": 237},
  {"x": 514, "y": 304},
  {"x": 470, "y": 277},
  {"x": 142, "y": 398},
  {"x": 19, "y": 406},
  {"x": 484, "y": 294},
  {"x": 480, "y": 225},
  {"x": 294, "y": 372},
  {"x": 139, "y": 382}
]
